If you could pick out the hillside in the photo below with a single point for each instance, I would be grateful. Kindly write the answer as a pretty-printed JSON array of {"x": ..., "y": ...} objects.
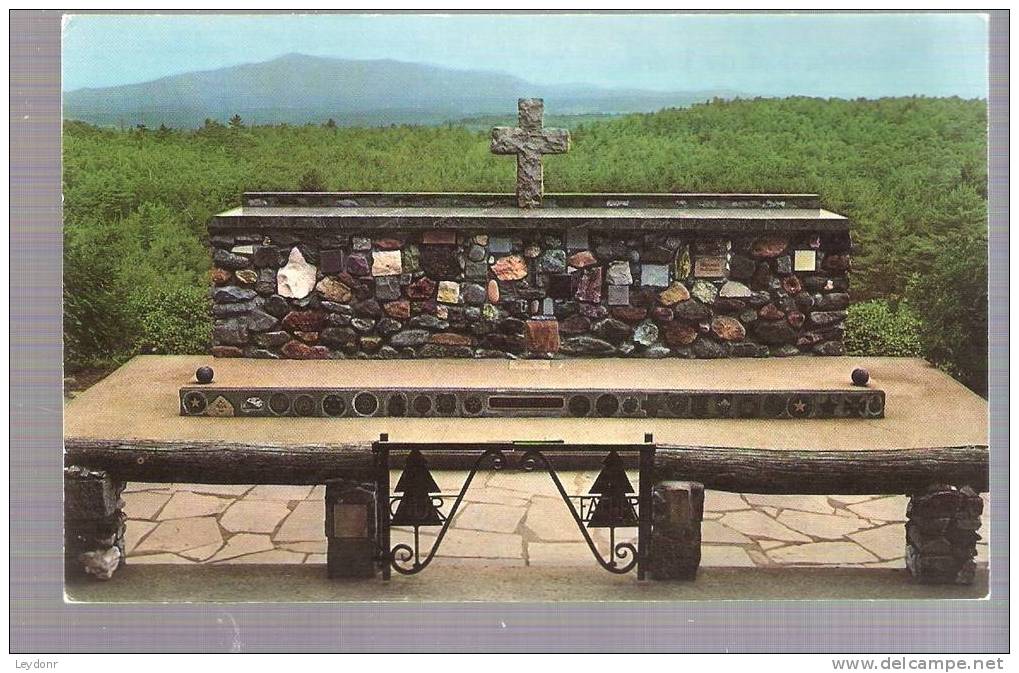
[
  {"x": 910, "y": 172},
  {"x": 298, "y": 89}
]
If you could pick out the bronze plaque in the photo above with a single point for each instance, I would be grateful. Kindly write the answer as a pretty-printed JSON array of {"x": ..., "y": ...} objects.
[
  {"x": 350, "y": 520},
  {"x": 710, "y": 267}
]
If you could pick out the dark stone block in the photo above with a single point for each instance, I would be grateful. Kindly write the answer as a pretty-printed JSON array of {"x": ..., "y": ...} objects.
[
  {"x": 584, "y": 345},
  {"x": 266, "y": 256},
  {"x": 440, "y": 262},
  {"x": 675, "y": 545},
  {"x": 613, "y": 331},
  {"x": 232, "y": 332},
  {"x": 228, "y": 260},
  {"x": 276, "y": 305},
  {"x": 560, "y": 286},
  {"x": 691, "y": 310},
  {"x": 774, "y": 333},
  {"x": 351, "y": 530},
  {"x": 741, "y": 268}
]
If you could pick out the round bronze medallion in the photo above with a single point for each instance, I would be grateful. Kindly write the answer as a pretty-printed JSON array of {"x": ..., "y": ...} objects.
[
  {"x": 304, "y": 405},
  {"x": 334, "y": 405},
  {"x": 195, "y": 403},
  {"x": 279, "y": 404}
]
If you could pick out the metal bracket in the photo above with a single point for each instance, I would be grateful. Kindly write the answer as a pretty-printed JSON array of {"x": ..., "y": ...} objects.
[{"x": 421, "y": 504}]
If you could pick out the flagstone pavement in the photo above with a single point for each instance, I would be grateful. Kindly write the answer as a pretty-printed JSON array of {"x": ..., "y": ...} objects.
[{"x": 510, "y": 518}]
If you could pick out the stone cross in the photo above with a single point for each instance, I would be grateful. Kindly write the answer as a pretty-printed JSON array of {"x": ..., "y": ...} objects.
[{"x": 529, "y": 141}]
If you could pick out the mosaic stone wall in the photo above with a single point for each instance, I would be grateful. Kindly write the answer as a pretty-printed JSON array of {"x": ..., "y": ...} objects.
[{"x": 323, "y": 294}]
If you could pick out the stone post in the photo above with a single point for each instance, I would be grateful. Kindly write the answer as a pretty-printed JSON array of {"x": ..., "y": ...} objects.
[
  {"x": 678, "y": 507},
  {"x": 93, "y": 523},
  {"x": 941, "y": 534},
  {"x": 351, "y": 528}
]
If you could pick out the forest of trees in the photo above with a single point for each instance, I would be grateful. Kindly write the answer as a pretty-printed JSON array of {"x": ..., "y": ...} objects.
[{"x": 910, "y": 172}]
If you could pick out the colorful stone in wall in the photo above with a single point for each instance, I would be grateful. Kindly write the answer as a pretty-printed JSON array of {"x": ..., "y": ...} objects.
[
  {"x": 449, "y": 292},
  {"x": 387, "y": 263},
  {"x": 675, "y": 293},
  {"x": 542, "y": 336},
  {"x": 297, "y": 278},
  {"x": 735, "y": 290},
  {"x": 619, "y": 295},
  {"x": 728, "y": 329},
  {"x": 387, "y": 288},
  {"x": 582, "y": 259},
  {"x": 439, "y": 237},
  {"x": 334, "y": 290},
  {"x": 411, "y": 258},
  {"x": 683, "y": 263},
  {"x": 792, "y": 285},
  {"x": 511, "y": 267},
  {"x": 769, "y": 246},
  {"x": 492, "y": 291},
  {"x": 619, "y": 274},
  {"x": 589, "y": 285},
  {"x": 552, "y": 261},
  {"x": 654, "y": 275},
  {"x": 645, "y": 334},
  {"x": 221, "y": 276},
  {"x": 500, "y": 244},
  {"x": 423, "y": 288},
  {"x": 358, "y": 264},
  {"x": 704, "y": 292},
  {"x": 247, "y": 276},
  {"x": 678, "y": 334}
]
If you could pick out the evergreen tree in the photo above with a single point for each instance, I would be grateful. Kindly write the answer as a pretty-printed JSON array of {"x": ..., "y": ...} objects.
[
  {"x": 416, "y": 484},
  {"x": 235, "y": 122},
  {"x": 331, "y": 124},
  {"x": 613, "y": 508}
]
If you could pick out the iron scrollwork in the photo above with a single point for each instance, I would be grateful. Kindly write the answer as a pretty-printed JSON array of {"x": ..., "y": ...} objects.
[{"x": 418, "y": 501}]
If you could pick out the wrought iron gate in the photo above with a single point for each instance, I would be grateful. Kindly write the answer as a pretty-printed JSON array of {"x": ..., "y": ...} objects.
[{"x": 418, "y": 501}]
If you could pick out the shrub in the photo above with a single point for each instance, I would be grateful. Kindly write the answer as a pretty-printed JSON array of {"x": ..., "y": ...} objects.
[
  {"x": 876, "y": 328},
  {"x": 952, "y": 298},
  {"x": 171, "y": 321}
]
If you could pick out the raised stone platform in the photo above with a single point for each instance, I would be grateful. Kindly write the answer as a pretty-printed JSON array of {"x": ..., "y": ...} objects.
[{"x": 925, "y": 407}]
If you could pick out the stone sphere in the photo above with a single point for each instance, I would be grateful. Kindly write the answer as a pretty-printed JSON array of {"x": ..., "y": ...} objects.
[
  {"x": 860, "y": 376},
  {"x": 205, "y": 374}
]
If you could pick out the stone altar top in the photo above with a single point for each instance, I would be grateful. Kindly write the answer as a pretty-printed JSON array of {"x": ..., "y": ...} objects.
[{"x": 734, "y": 213}]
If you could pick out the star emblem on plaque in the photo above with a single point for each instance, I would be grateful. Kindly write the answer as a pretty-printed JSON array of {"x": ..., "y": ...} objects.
[
  {"x": 799, "y": 406},
  {"x": 194, "y": 403}
]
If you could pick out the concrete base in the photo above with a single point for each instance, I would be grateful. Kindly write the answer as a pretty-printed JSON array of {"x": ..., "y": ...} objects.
[{"x": 308, "y": 583}]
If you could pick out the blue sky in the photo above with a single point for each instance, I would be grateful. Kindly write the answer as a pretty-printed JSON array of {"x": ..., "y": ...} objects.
[{"x": 844, "y": 55}]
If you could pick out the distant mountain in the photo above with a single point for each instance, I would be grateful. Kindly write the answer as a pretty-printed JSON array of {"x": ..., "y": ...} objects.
[{"x": 298, "y": 89}]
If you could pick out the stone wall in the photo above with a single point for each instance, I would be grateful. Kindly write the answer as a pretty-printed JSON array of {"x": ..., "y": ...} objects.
[{"x": 314, "y": 293}]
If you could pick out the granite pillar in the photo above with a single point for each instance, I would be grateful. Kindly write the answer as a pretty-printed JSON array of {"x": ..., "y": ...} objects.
[
  {"x": 675, "y": 551},
  {"x": 351, "y": 527},
  {"x": 93, "y": 523},
  {"x": 941, "y": 534}
]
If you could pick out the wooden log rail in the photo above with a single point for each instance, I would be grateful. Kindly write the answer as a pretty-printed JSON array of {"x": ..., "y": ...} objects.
[{"x": 892, "y": 471}]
